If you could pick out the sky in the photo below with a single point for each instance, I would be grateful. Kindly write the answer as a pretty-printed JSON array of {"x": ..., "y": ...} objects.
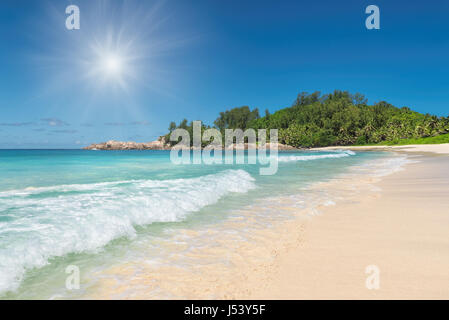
[{"x": 134, "y": 66}]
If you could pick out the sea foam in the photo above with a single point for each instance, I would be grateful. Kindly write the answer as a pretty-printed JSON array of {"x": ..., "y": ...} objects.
[
  {"x": 41, "y": 223},
  {"x": 337, "y": 154}
]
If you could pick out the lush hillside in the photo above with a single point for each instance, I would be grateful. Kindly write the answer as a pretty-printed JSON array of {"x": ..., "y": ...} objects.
[{"x": 339, "y": 118}]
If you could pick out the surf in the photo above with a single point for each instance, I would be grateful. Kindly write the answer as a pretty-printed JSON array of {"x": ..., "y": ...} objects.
[{"x": 83, "y": 218}]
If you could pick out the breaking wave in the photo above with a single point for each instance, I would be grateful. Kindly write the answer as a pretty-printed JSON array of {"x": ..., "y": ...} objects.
[{"x": 37, "y": 224}]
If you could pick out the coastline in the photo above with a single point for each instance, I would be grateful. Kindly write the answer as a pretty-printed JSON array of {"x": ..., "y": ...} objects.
[
  {"x": 422, "y": 148},
  {"x": 402, "y": 230},
  {"x": 382, "y": 221}
]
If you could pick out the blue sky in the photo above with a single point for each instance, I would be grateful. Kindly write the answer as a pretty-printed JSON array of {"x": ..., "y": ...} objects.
[{"x": 193, "y": 59}]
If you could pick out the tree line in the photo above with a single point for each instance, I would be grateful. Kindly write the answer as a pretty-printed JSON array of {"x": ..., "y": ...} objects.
[{"x": 338, "y": 118}]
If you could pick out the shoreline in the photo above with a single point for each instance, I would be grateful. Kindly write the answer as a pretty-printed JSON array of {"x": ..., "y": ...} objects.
[
  {"x": 383, "y": 221},
  {"x": 402, "y": 230},
  {"x": 421, "y": 148}
]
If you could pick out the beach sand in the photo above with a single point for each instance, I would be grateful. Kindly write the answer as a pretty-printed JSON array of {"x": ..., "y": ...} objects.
[
  {"x": 397, "y": 224},
  {"x": 420, "y": 148},
  {"x": 403, "y": 231}
]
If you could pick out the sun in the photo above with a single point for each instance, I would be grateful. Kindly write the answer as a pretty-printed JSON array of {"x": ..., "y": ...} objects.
[
  {"x": 109, "y": 67},
  {"x": 112, "y": 65}
]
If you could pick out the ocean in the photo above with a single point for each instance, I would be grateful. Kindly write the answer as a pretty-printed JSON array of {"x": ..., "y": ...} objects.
[{"x": 97, "y": 210}]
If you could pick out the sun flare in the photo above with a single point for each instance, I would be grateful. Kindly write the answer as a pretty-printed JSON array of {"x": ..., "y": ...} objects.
[{"x": 112, "y": 65}]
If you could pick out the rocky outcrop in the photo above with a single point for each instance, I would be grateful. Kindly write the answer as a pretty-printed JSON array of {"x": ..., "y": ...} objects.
[
  {"x": 160, "y": 144},
  {"x": 119, "y": 145},
  {"x": 281, "y": 147}
]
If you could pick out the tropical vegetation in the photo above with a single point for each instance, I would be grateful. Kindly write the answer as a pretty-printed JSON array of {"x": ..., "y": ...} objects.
[{"x": 338, "y": 118}]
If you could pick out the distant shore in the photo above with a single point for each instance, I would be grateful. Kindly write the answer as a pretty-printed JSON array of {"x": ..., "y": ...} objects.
[
  {"x": 160, "y": 144},
  {"x": 433, "y": 148}
]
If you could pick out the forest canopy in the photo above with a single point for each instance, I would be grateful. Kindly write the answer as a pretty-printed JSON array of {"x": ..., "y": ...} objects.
[{"x": 338, "y": 118}]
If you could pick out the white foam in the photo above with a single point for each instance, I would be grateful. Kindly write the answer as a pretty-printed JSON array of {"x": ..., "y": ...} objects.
[
  {"x": 54, "y": 225},
  {"x": 384, "y": 167},
  {"x": 339, "y": 154}
]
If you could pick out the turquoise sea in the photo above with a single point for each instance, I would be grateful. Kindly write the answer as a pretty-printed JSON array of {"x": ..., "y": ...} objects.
[{"x": 95, "y": 209}]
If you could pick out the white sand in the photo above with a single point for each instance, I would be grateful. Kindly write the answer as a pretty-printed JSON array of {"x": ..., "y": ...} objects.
[
  {"x": 434, "y": 148},
  {"x": 403, "y": 231}
]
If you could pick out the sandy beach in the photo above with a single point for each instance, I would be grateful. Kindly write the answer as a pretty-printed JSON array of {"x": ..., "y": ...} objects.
[
  {"x": 394, "y": 225},
  {"x": 402, "y": 230},
  {"x": 421, "y": 148}
]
